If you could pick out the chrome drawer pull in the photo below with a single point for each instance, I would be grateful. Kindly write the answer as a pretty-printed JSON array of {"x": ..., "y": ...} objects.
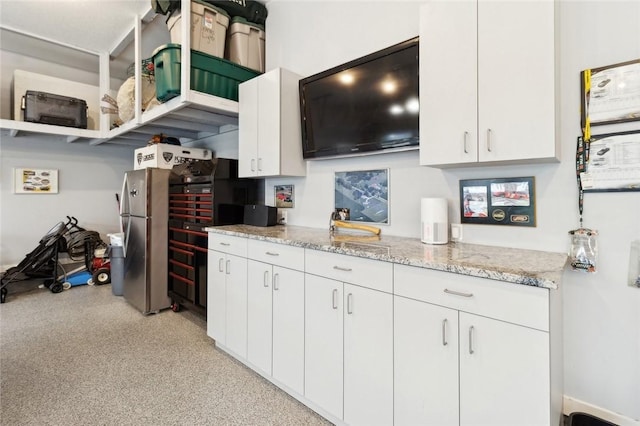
[
  {"x": 489, "y": 140},
  {"x": 340, "y": 268},
  {"x": 335, "y": 298},
  {"x": 458, "y": 293},
  {"x": 228, "y": 267},
  {"x": 471, "y": 340},
  {"x": 264, "y": 279},
  {"x": 350, "y": 303},
  {"x": 220, "y": 266},
  {"x": 225, "y": 244},
  {"x": 276, "y": 280},
  {"x": 271, "y": 253}
]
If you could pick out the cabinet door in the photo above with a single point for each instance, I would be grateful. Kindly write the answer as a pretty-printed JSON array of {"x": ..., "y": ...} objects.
[
  {"x": 368, "y": 356},
  {"x": 269, "y": 122},
  {"x": 288, "y": 328},
  {"x": 248, "y": 128},
  {"x": 425, "y": 364},
  {"x": 516, "y": 75},
  {"x": 323, "y": 344},
  {"x": 216, "y": 296},
  {"x": 259, "y": 315},
  {"x": 504, "y": 373},
  {"x": 236, "y": 287},
  {"x": 448, "y": 83}
]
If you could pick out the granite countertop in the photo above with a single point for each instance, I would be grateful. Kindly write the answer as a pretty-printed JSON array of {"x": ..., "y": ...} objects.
[{"x": 518, "y": 266}]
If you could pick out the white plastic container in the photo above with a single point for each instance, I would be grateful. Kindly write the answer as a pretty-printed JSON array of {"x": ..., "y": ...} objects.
[
  {"x": 245, "y": 45},
  {"x": 208, "y": 28},
  {"x": 165, "y": 156},
  {"x": 435, "y": 221}
]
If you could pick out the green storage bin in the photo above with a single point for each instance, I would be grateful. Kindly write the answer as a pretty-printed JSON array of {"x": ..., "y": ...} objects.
[{"x": 209, "y": 74}]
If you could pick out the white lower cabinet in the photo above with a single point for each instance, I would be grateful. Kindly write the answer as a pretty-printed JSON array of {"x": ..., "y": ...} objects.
[
  {"x": 349, "y": 351},
  {"x": 368, "y": 342},
  {"x": 504, "y": 373},
  {"x": 425, "y": 364},
  {"x": 456, "y": 365},
  {"x": 227, "y": 301},
  {"x": 275, "y": 325}
]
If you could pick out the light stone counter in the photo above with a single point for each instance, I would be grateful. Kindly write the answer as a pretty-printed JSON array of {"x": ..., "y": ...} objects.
[{"x": 528, "y": 267}]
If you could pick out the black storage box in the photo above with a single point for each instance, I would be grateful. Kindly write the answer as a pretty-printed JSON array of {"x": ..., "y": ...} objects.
[
  {"x": 48, "y": 108},
  {"x": 260, "y": 215},
  {"x": 251, "y": 10}
]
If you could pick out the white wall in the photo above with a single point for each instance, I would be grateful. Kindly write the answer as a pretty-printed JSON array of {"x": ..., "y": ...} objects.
[
  {"x": 88, "y": 179},
  {"x": 601, "y": 313}
]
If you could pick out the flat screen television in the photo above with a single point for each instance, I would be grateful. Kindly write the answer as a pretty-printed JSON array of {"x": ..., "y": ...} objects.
[{"x": 364, "y": 106}]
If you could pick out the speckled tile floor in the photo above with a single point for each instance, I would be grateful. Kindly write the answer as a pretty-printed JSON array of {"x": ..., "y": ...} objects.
[{"x": 86, "y": 357}]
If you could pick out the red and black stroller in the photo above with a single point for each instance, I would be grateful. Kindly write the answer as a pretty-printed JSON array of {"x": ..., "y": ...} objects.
[{"x": 43, "y": 261}]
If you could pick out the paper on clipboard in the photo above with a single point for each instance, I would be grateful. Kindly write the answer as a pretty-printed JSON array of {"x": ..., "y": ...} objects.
[{"x": 614, "y": 163}]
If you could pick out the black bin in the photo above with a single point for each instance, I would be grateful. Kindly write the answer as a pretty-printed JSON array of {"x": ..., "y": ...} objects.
[{"x": 584, "y": 419}]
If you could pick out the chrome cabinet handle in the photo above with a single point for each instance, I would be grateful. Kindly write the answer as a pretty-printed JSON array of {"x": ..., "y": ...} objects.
[
  {"x": 335, "y": 298},
  {"x": 225, "y": 244},
  {"x": 465, "y": 139},
  {"x": 349, "y": 303},
  {"x": 444, "y": 332},
  {"x": 340, "y": 268},
  {"x": 276, "y": 280},
  {"x": 228, "y": 267},
  {"x": 471, "y": 340},
  {"x": 269, "y": 253},
  {"x": 458, "y": 293},
  {"x": 260, "y": 164},
  {"x": 489, "y": 140},
  {"x": 265, "y": 279},
  {"x": 253, "y": 164},
  {"x": 220, "y": 266}
]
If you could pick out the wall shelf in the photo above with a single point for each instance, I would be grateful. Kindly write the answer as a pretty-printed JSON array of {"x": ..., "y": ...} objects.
[{"x": 192, "y": 115}]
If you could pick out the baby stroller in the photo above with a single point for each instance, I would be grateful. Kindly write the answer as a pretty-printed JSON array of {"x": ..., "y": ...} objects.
[{"x": 43, "y": 261}]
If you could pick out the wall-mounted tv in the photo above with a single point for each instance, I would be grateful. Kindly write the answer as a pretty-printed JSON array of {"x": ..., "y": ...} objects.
[{"x": 365, "y": 106}]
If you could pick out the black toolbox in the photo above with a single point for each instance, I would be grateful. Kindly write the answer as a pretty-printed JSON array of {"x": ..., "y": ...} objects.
[{"x": 48, "y": 108}]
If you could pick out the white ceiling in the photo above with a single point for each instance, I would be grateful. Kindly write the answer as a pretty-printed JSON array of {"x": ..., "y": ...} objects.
[{"x": 93, "y": 25}]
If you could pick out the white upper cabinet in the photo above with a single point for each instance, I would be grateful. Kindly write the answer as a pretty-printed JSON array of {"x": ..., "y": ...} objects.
[
  {"x": 487, "y": 82},
  {"x": 269, "y": 126}
]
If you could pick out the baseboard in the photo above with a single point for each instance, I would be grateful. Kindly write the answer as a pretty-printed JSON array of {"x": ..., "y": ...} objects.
[{"x": 572, "y": 405}]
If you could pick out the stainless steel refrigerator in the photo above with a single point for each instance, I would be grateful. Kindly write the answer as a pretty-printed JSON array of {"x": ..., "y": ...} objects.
[{"x": 144, "y": 214}]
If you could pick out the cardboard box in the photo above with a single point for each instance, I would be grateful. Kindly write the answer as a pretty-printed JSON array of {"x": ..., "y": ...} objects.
[{"x": 165, "y": 156}]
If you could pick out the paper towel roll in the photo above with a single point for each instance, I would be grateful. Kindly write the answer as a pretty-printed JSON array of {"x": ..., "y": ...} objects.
[{"x": 435, "y": 221}]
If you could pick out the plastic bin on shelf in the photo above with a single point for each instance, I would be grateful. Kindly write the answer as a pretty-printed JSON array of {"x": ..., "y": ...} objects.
[
  {"x": 245, "y": 43},
  {"x": 209, "y": 74},
  {"x": 208, "y": 28}
]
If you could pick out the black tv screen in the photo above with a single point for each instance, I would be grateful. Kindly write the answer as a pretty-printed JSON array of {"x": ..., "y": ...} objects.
[{"x": 366, "y": 105}]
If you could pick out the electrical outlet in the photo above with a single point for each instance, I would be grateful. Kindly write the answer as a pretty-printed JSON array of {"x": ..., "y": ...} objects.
[
  {"x": 283, "y": 217},
  {"x": 456, "y": 232}
]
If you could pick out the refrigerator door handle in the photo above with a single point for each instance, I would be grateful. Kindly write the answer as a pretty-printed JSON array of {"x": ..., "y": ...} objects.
[{"x": 125, "y": 243}]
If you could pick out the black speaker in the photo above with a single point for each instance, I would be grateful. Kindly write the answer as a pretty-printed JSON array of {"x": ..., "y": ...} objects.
[{"x": 260, "y": 215}]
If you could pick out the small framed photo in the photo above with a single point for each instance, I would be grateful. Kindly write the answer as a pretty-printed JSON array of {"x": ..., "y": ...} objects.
[
  {"x": 284, "y": 196},
  {"x": 500, "y": 201},
  {"x": 362, "y": 196},
  {"x": 35, "y": 181}
]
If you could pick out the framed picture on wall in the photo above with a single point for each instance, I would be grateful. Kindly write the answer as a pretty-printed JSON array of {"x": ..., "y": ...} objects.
[
  {"x": 500, "y": 201},
  {"x": 35, "y": 181},
  {"x": 363, "y": 196},
  {"x": 284, "y": 196}
]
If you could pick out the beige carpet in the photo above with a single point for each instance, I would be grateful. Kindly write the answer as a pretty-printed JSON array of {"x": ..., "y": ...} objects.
[{"x": 86, "y": 357}]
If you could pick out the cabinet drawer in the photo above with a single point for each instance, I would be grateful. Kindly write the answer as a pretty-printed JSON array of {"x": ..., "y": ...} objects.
[
  {"x": 228, "y": 244},
  {"x": 276, "y": 254},
  {"x": 519, "y": 304},
  {"x": 368, "y": 273}
]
